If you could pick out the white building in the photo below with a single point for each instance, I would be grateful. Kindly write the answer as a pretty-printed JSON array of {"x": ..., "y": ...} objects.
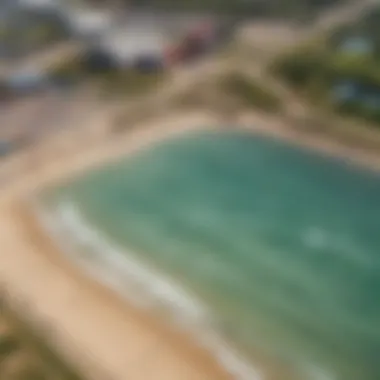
[
  {"x": 27, "y": 79},
  {"x": 127, "y": 44},
  {"x": 88, "y": 23},
  {"x": 39, "y": 4}
]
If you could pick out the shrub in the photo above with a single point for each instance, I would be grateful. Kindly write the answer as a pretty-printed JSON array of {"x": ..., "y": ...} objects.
[
  {"x": 8, "y": 345},
  {"x": 129, "y": 82},
  {"x": 30, "y": 373},
  {"x": 250, "y": 92},
  {"x": 301, "y": 67},
  {"x": 357, "y": 68},
  {"x": 71, "y": 70},
  {"x": 360, "y": 111}
]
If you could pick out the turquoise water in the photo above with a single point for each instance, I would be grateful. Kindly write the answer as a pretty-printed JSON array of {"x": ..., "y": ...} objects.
[{"x": 282, "y": 245}]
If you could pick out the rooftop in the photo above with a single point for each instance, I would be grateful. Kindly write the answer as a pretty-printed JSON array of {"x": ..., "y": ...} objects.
[
  {"x": 134, "y": 39},
  {"x": 84, "y": 22}
]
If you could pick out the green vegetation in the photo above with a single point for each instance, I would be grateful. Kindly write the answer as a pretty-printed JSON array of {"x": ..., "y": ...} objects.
[
  {"x": 43, "y": 34},
  {"x": 301, "y": 68},
  {"x": 128, "y": 82},
  {"x": 24, "y": 355},
  {"x": 111, "y": 80},
  {"x": 250, "y": 92},
  {"x": 8, "y": 345},
  {"x": 228, "y": 94},
  {"x": 366, "y": 27},
  {"x": 316, "y": 71},
  {"x": 356, "y": 109},
  {"x": 314, "y": 74},
  {"x": 308, "y": 72},
  {"x": 29, "y": 30},
  {"x": 69, "y": 70}
]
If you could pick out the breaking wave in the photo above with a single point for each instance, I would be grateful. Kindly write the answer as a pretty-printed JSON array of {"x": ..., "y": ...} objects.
[{"x": 143, "y": 285}]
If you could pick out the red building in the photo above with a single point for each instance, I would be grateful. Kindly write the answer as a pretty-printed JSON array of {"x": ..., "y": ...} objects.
[{"x": 195, "y": 42}]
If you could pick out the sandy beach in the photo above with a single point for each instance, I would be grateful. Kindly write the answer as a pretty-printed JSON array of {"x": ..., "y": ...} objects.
[{"x": 95, "y": 329}]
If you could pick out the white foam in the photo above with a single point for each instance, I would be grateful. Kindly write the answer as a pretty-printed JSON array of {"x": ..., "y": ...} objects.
[
  {"x": 131, "y": 278},
  {"x": 318, "y": 373},
  {"x": 315, "y": 237},
  {"x": 319, "y": 239}
]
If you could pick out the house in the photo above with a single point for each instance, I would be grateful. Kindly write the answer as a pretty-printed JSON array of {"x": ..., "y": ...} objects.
[
  {"x": 357, "y": 45},
  {"x": 149, "y": 64},
  {"x": 27, "y": 81},
  {"x": 345, "y": 91},
  {"x": 350, "y": 93},
  {"x": 129, "y": 45},
  {"x": 80, "y": 22},
  {"x": 98, "y": 60},
  {"x": 39, "y": 4},
  {"x": 87, "y": 24}
]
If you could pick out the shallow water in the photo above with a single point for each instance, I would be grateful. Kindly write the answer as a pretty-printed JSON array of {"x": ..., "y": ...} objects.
[{"x": 281, "y": 246}]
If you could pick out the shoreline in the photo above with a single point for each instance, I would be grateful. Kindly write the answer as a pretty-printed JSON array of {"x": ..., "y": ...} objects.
[
  {"x": 137, "y": 283},
  {"x": 142, "y": 134},
  {"x": 138, "y": 337},
  {"x": 318, "y": 143},
  {"x": 124, "y": 334},
  {"x": 165, "y": 333},
  {"x": 42, "y": 252}
]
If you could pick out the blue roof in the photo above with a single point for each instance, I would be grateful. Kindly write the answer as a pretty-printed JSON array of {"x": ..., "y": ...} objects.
[
  {"x": 345, "y": 91},
  {"x": 360, "y": 45},
  {"x": 26, "y": 79}
]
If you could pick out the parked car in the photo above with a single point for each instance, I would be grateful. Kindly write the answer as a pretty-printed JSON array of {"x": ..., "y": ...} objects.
[
  {"x": 149, "y": 64},
  {"x": 27, "y": 82},
  {"x": 98, "y": 61}
]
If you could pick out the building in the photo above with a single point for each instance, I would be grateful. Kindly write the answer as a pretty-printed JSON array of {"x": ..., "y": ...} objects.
[
  {"x": 27, "y": 81},
  {"x": 136, "y": 44},
  {"x": 87, "y": 24},
  {"x": 131, "y": 43},
  {"x": 357, "y": 95},
  {"x": 345, "y": 91},
  {"x": 150, "y": 40},
  {"x": 357, "y": 45},
  {"x": 199, "y": 38},
  {"x": 40, "y": 4},
  {"x": 80, "y": 22}
]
